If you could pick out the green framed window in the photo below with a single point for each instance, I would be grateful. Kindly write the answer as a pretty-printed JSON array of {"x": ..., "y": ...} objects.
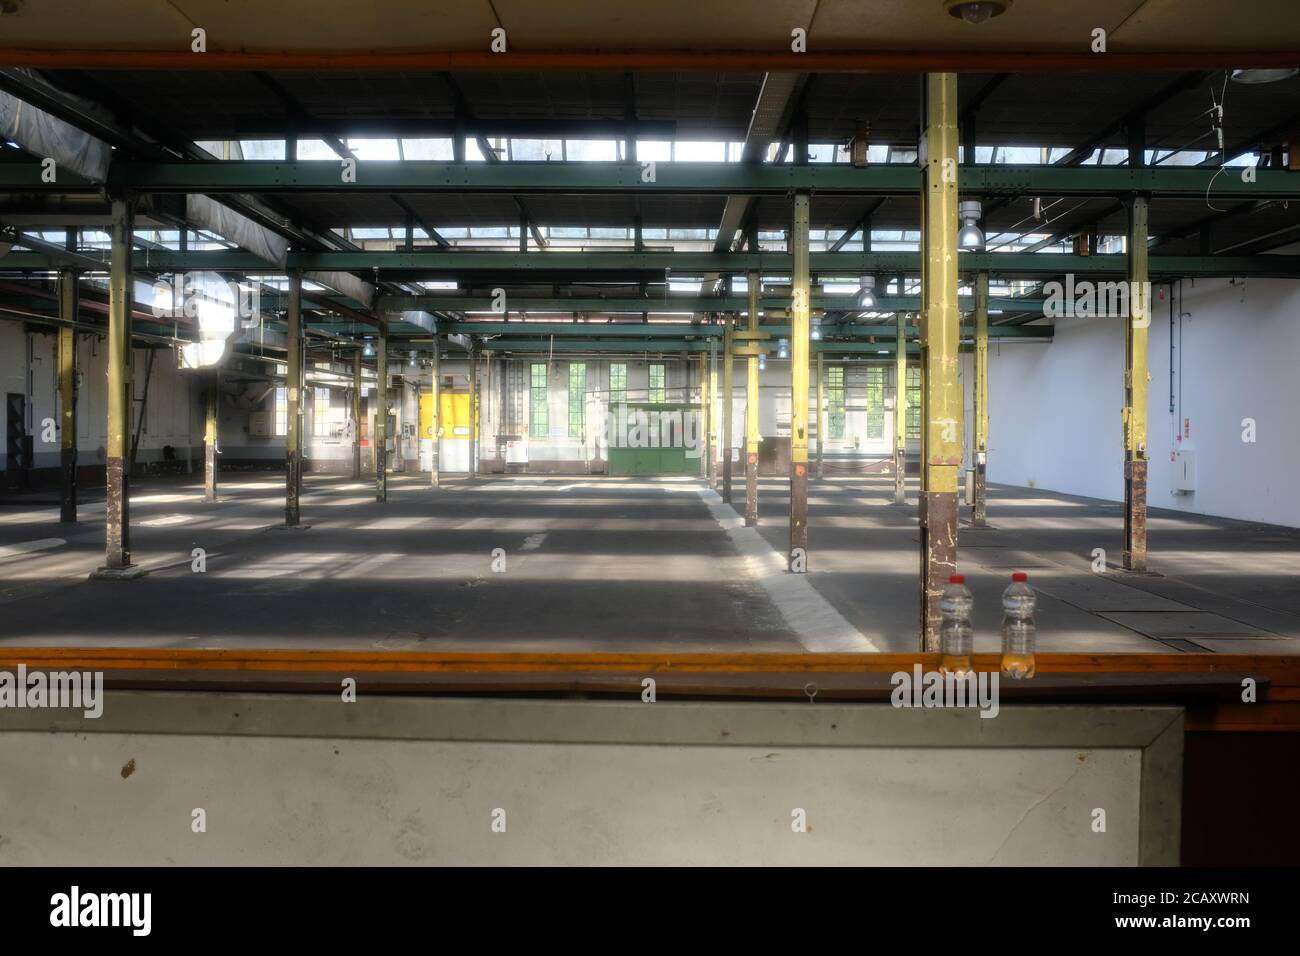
[
  {"x": 320, "y": 417},
  {"x": 876, "y": 401},
  {"x": 538, "y": 422},
  {"x": 835, "y": 403},
  {"x": 913, "y": 403},
  {"x": 657, "y": 387},
  {"x": 617, "y": 383},
  {"x": 577, "y": 400}
]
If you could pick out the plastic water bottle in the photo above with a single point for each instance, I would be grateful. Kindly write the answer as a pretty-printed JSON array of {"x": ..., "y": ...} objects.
[
  {"x": 955, "y": 640},
  {"x": 1018, "y": 628}
]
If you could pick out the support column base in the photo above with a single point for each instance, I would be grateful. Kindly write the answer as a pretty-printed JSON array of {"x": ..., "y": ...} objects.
[
  {"x": 938, "y": 520},
  {"x": 129, "y": 573},
  {"x": 797, "y": 562},
  {"x": 1135, "y": 515},
  {"x": 751, "y": 490}
]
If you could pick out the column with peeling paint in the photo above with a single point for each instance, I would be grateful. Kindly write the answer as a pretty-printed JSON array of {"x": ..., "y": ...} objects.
[
  {"x": 473, "y": 412},
  {"x": 435, "y": 426},
  {"x": 381, "y": 415},
  {"x": 751, "y": 408},
  {"x": 728, "y": 402},
  {"x": 799, "y": 347},
  {"x": 210, "y": 437},
  {"x": 900, "y": 409},
  {"x": 1136, "y": 377},
  {"x": 941, "y": 403},
  {"x": 821, "y": 414},
  {"x": 68, "y": 396},
  {"x": 117, "y": 506},
  {"x": 979, "y": 458},
  {"x": 294, "y": 392},
  {"x": 356, "y": 415},
  {"x": 711, "y": 431}
]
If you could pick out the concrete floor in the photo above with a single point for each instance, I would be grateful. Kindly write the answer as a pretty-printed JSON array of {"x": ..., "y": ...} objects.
[{"x": 612, "y": 564}]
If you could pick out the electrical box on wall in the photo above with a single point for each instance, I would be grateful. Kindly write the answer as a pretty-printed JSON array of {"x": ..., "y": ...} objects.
[
  {"x": 259, "y": 425},
  {"x": 1183, "y": 472}
]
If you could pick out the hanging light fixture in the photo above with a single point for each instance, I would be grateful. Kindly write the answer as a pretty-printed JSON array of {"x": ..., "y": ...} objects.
[
  {"x": 816, "y": 329},
  {"x": 782, "y": 348},
  {"x": 971, "y": 236},
  {"x": 867, "y": 292},
  {"x": 1264, "y": 76},
  {"x": 762, "y": 363},
  {"x": 369, "y": 350},
  {"x": 976, "y": 11}
]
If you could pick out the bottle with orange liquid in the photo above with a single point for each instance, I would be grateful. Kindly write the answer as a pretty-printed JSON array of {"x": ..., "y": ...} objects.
[
  {"x": 1018, "y": 631},
  {"x": 955, "y": 634}
]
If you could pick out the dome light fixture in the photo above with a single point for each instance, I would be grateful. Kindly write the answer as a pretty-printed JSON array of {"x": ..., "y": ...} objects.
[
  {"x": 1264, "y": 76},
  {"x": 971, "y": 237},
  {"x": 867, "y": 292},
  {"x": 816, "y": 329},
  {"x": 782, "y": 348},
  {"x": 976, "y": 11},
  {"x": 762, "y": 363}
]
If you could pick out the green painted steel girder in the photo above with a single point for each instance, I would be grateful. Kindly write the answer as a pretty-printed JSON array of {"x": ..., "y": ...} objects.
[
  {"x": 678, "y": 330},
  {"x": 659, "y": 348},
  {"x": 435, "y": 263},
  {"x": 263, "y": 176},
  {"x": 682, "y": 305}
]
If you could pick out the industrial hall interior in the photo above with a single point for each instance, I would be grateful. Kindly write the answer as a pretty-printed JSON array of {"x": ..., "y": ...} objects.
[
  {"x": 538, "y": 355},
  {"x": 401, "y": 397}
]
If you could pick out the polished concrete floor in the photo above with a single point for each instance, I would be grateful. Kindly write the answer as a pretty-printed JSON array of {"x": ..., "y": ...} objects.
[{"x": 610, "y": 564}]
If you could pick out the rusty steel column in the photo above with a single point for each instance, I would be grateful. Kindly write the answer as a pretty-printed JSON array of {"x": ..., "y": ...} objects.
[
  {"x": 435, "y": 426},
  {"x": 821, "y": 414},
  {"x": 117, "y": 511},
  {"x": 381, "y": 414},
  {"x": 356, "y": 415},
  {"x": 473, "y": 413},
  {"x": 799, "y": 343},
  {"x": 751, "y": 409},
  {"x": 294, "y": 391},
  {"x": 1136, "y": 377},
  {"x": 728, "y": 402},
  {"x": 941, "y": 408},
  {"x": 68, "y": 396},
  {"x": 900, "y": 410},
  {"x": 979, "y": 458},
  {"x": 210, "y": 437}
]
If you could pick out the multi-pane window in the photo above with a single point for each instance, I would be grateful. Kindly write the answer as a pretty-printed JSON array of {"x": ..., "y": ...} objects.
[
  {"x": 538, "y": 421},
  {"x": 835, "y": 403},
  {"x": 913, "y": 403},
  {"x": 281, "y": 412},
  {"x": 657, "y": 389},
  {"x": 320, "y": 409},
  {"x": 577, "y": 400},
  {"x": 617, "y": 384},
  {"x": 876, "y": 401}
]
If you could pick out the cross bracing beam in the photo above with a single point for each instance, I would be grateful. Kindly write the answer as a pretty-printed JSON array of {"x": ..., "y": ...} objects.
[
  {"x": 437, "y": 263},
  {"x": 582, "y": 178}
]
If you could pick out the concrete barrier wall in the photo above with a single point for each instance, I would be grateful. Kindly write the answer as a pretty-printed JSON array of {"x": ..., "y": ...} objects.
[{"x": 285, "y": 779}]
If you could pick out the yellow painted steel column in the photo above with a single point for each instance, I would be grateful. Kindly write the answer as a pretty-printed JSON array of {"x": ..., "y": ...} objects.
[
  {"x": 900, "y": 410},
  {"x": 210, "y": 437},
  {"x": 799, "y": 344},
  {"x": 356, "y": 415},
  {"x": 821, "y": 414},
  {"x": 117, "y": 511},
  {"x": 941, "y": 414},
  {"x": 68, "y": 396},
  {"x": 435, "y": 426},
  {"x": 294, "y": 391},
  {"x": 728, "y": 402},
  {"x": 711, "y": 428},
  {"x": 979, "y": 458},
  {"x": 1136, "y": 377},
  {"x": 751, "y": 410},
  {"x": 381, "y": 415}
]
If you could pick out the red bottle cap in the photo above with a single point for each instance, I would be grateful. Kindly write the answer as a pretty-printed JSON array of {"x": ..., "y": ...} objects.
[
  {"x": 1019, "y": 576},
  {"x": 957, "y": 579}
]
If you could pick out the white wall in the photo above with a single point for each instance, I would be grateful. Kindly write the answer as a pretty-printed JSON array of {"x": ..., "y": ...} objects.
[
  {"x": 1055, "y": 409},
  {"x": 29, "y": 366}
]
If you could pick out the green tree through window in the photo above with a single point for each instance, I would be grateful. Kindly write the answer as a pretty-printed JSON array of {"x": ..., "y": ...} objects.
[
  {"x": 538, "y": 421},
  {"x": 913, "y": 403},
  {"x": 577, "y": 400},
  {"x": 617, "y": 384},
  {"x": 657, "y": 389},
  {"x": 876, "y": 401},
  {"x": 835, "y": 403}
]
